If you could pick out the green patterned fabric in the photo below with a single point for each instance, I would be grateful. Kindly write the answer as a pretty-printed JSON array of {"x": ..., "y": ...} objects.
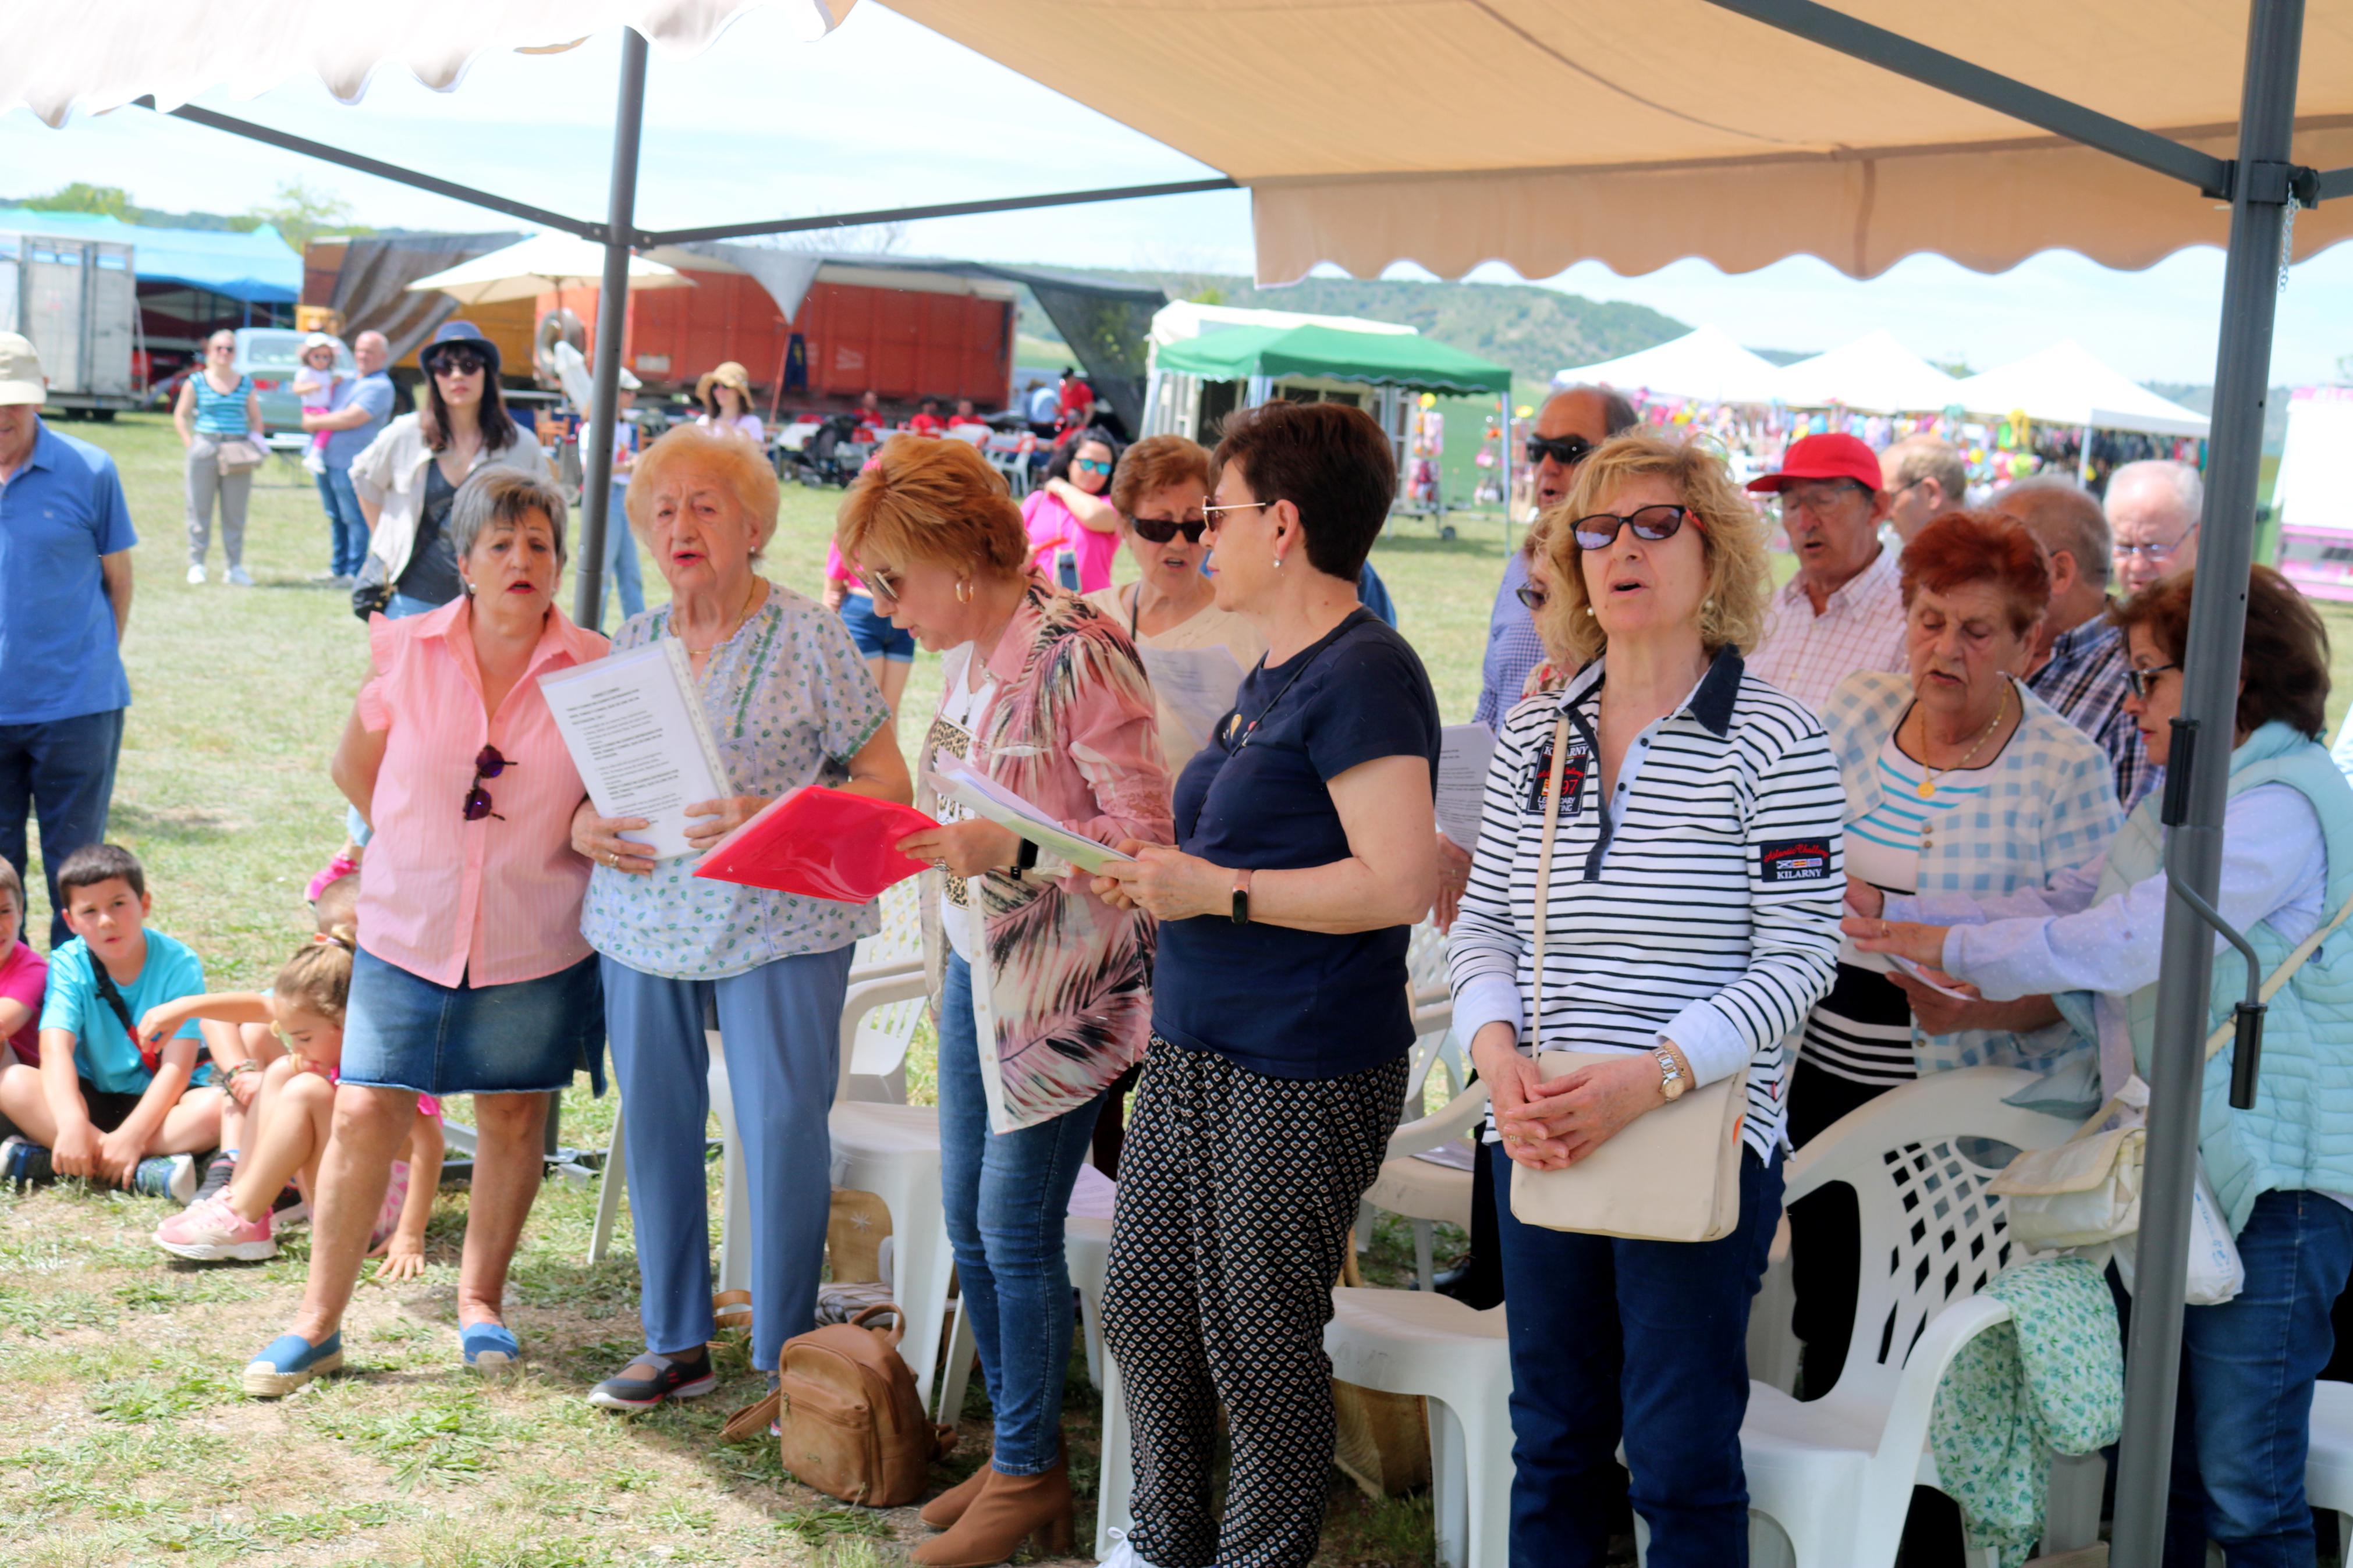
[{"x": 2050, "y": 1380}]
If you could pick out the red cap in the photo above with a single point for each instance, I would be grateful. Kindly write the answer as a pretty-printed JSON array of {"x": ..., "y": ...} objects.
[{"x": 1823, "y": 458}]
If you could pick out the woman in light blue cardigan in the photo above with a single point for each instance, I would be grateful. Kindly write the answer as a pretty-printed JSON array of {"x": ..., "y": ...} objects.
[{"x": 2284, "y": 1171}]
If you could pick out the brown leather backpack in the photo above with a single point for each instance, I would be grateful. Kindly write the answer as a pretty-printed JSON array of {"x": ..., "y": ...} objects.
[{"x": 848, "y": 1420}]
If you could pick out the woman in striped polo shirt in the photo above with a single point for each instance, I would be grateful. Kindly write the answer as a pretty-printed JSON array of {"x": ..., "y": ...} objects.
[
  {"x": 1692, "y": 916},
  {"x": 1958, "y": 780}
]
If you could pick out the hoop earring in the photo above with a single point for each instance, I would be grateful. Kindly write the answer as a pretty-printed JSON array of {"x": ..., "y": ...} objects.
[{"x": 964, "y": 590}]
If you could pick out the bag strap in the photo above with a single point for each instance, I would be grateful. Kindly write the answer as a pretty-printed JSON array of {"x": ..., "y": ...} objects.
[
  {"x": 1544, "y": 870},
  {"x": 898, "y": 1321},
  {"x": 2224, "y": 1033}
]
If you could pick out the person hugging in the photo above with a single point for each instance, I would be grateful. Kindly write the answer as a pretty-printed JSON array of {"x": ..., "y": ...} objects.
[{"x": 101, "y": 1103}]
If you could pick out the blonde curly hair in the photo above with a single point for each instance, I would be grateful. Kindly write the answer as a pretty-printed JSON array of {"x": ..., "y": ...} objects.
[{"x": 1732, "y": 542}]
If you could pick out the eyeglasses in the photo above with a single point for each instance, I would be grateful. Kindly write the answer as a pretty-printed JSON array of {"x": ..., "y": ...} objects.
[
  {"x": 1161, "y": 530},
  {"x": 488, "y": 764},
  {"x": 458, "y": 362},
  {"x": 1091, "y": 465},
  {"x": 1210, "y": 514},
  {"x": 1534, "y": 598},
  {"x": 1820, "y": 497},
  {"x": 1567, "y": 450},
  {"x": 2146, "y": 552},
  {"x": 2143, "y": 681},
  {"x": 1649, "y": 524}
]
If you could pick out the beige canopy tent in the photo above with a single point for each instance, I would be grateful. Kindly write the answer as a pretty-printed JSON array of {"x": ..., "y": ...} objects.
[{"x": 1742, "y": 131}]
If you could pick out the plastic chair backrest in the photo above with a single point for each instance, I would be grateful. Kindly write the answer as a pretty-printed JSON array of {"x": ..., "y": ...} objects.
[
  {"x": 902, "y": 936},
  {"x": 1931, "y": 1234},
  {"x": 1425, "y": 962},
  {"x": 884, "y": 1036}
]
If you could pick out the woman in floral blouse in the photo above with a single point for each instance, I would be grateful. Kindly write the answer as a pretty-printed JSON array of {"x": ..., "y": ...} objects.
[
  {"x": 790, "y": 704},
  {"x": 1042, "y": 988}
]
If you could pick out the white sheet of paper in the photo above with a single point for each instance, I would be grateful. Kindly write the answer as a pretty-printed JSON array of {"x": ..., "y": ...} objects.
[
  {"x": 960, "y": 781},
  {"x": 636, "y": 732},
  {"x": 1915, "y": 971},
  {"x": 1463, "y": 753},
  {"x": 1198, "y": 684}
]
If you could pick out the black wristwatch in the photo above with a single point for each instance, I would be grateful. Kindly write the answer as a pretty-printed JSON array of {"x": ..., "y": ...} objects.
[
  {"x": 1242, "y": 896},
  {"x": 1025, "y": 859}
]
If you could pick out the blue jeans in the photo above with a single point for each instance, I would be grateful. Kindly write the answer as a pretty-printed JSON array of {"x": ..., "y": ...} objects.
[
  {"x": 1647, "y": 1338},
  {"x": 782, "y": 1026},
  {"x": 1006, "y": 1196},
  {"x": 63, "y": 772},
  {"x": 621, "y": 573},
  {"x": 2244, "y": 1418},
  {"x": 347, "y": 531}
]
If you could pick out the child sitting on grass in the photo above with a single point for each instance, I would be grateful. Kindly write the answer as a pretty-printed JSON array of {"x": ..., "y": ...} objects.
[
  {"x": 293, "y": 1115},
  {"x": 99, "y": 1104},
  {"x": 23, "y": 978}
]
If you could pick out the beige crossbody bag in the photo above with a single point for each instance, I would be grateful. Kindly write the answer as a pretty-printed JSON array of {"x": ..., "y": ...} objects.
[{"x": 1670, "y": 1174}]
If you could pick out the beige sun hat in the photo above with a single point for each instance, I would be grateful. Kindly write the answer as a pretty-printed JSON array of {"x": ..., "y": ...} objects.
[
  {"x": 20, "y": 371},
  {"x": 728, "y": 374}
]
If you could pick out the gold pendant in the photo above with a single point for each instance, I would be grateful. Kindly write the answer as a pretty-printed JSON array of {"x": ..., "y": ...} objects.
[{"x": 1927, "y": 788}]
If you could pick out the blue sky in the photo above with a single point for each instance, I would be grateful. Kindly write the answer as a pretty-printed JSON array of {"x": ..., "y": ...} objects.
[{"x": 885, "y": 113}]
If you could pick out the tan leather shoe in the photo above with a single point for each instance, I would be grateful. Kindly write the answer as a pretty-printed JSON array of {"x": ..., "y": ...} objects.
[
  {"x": 1008, "y": 1511},
  {"x": 943, "y": 1510}
]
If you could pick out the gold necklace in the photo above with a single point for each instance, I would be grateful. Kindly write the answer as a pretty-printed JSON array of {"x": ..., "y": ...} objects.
[{"x": 1930, "y": 775}]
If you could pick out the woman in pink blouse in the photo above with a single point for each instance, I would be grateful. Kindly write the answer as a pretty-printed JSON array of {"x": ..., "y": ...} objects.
[
  {"x": 1041, "y": 987},
  {"x": 471, "y": 976}
]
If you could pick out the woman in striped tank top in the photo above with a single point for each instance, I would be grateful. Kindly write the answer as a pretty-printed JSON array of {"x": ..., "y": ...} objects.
[
  {"x": 1958, "y": 780},
  {"x": 217, "y": 405}
]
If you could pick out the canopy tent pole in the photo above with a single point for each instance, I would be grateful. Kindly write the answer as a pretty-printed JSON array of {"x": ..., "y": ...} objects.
[
  {"x": 2259, "y": 201},
  {"x": 612, "y": 320}
]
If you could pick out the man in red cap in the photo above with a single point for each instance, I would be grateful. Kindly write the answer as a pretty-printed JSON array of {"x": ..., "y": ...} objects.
[{"x": 1844, "y": 609}]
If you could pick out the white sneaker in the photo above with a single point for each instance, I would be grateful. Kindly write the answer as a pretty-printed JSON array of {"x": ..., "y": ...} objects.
[
  {"x": 239, "y": 577},
  {"x": 1123, "y": 1555},
  {"x": 195, "y": 574}
]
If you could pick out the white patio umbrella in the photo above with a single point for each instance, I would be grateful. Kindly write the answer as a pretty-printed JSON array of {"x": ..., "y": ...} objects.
[{"x": 531, "y": 267}]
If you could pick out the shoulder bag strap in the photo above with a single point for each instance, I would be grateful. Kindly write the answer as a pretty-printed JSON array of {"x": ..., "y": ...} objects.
[
  {"x": 1544, "y": 871},
  {"x": 2226, "y": 1032}
]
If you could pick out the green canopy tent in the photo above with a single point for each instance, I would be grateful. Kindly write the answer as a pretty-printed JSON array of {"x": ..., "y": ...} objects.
[{"x": 1316, "y": 363}]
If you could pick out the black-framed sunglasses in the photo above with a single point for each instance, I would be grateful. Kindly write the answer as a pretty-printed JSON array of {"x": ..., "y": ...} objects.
[
  {"x": 458, "y": 362},
  {"x": 2144, "y": 681},
  {"x": 488, "y": 764},
  {"x": 1534, "y": 597},
  {"x": 1567, "y": 450},
  {"x": 1161, "y": 530},
  {"x": 1649, "y": 524}
]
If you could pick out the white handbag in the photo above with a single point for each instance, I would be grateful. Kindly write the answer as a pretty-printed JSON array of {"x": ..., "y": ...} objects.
[{"x": 1670, "y": 1174}]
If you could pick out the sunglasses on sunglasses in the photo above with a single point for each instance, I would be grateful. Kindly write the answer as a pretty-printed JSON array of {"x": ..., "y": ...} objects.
[
  {"x": 1649, "y": 524},
  {"x": 1567, "y": 450},
  {"x": 488, "y": 764},
  {"x": 1161, "y": 530}
]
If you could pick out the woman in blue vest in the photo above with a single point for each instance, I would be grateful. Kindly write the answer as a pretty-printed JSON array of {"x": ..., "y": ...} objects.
[{"x": 2284, "y": 1171}]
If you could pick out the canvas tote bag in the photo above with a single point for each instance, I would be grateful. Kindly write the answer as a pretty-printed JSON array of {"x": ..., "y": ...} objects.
[{"x": 1671, "y": 1174}]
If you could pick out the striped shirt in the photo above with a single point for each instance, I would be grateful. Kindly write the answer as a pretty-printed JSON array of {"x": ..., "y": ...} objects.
[
  {"x": 1699, "y": 904},
  {"x": 222, "y": 413}
]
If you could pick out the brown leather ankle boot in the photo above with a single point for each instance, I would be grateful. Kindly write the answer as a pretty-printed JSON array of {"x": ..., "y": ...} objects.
[
  {"x": 943, "y": 1510},
  {"x": 1008, "y": 1511}
]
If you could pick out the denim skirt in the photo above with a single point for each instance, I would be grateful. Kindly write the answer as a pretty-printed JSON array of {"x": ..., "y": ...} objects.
[{"x": 402, "y": 1031}]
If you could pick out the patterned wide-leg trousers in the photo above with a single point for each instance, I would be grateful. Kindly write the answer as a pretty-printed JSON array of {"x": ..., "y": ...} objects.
[{"x": 1237, "y": 1193}]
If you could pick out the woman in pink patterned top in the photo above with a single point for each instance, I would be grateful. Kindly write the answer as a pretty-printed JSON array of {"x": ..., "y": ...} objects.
[{"x": 1042, "y": 988}]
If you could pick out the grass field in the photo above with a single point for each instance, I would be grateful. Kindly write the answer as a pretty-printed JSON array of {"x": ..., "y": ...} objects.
[{"x": 128, "y": 1439}]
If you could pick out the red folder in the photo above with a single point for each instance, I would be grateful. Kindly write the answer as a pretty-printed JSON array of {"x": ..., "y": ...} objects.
[{"x": 820, "y": 843}]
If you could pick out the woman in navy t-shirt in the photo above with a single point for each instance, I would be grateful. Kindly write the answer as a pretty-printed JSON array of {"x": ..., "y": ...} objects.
[{"x": 1277, "y": 1067}]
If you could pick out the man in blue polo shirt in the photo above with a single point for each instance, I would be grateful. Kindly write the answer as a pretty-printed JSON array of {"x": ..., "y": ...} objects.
[
  {"x": 65, "y": 598},
  {"x": 356, "y": 410}
]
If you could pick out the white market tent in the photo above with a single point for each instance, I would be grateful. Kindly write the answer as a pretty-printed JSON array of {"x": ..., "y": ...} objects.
[
  {"x": 2064, "y": 385},
  {"x": 1704, "y": 365},
  {"x": 1985, "y": 133},
  {"x": 1874, "y": 375}
]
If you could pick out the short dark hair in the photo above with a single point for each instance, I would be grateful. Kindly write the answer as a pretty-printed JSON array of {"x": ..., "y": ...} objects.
[
  {"x": 94, "y": 863},
  {"x": 1331, "y": 461},
  {"x": 2283, "y": 660},
  {"x": 1058, "y": 467}
]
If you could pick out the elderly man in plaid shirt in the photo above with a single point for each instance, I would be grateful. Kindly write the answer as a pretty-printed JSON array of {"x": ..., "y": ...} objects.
[
  {"x": 1844, "y": 611},
  {"x": 2078, "y": 663}
]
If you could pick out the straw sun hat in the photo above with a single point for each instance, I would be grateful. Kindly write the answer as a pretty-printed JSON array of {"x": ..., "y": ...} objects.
[{"x": 728, "y": 374}]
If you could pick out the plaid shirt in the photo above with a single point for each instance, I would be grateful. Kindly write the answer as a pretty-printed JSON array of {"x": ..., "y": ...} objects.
[
  {"x": 1514, "y": 648},
  {"x": 2050, "y": 807},
  {"x": 1861, "y": 628},
  {"x": 2084, "y": 679}
]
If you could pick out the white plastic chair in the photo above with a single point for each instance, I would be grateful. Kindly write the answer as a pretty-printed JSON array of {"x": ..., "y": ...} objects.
[
  {"x": 898, "y": 947},
  {"x": 1836, "y": 1474},
  {"x": 2328, "y": 1468},
  {"x": 1422, "y": 1191},
  {"x": 1086, "y": 1245},
  {"x": 735, "y": 1195}
]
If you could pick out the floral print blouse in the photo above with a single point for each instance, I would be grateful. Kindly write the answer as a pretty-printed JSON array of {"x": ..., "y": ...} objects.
[{"x": 789, "y": 702}]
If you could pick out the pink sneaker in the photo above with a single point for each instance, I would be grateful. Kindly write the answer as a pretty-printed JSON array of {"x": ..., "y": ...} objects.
[
  {"x": 396, "y": 1194},
  {"x": 211, "y": 1231}
]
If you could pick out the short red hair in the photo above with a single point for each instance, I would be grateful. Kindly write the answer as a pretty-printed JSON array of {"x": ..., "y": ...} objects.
[{"x": 1964, "y": 547}]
